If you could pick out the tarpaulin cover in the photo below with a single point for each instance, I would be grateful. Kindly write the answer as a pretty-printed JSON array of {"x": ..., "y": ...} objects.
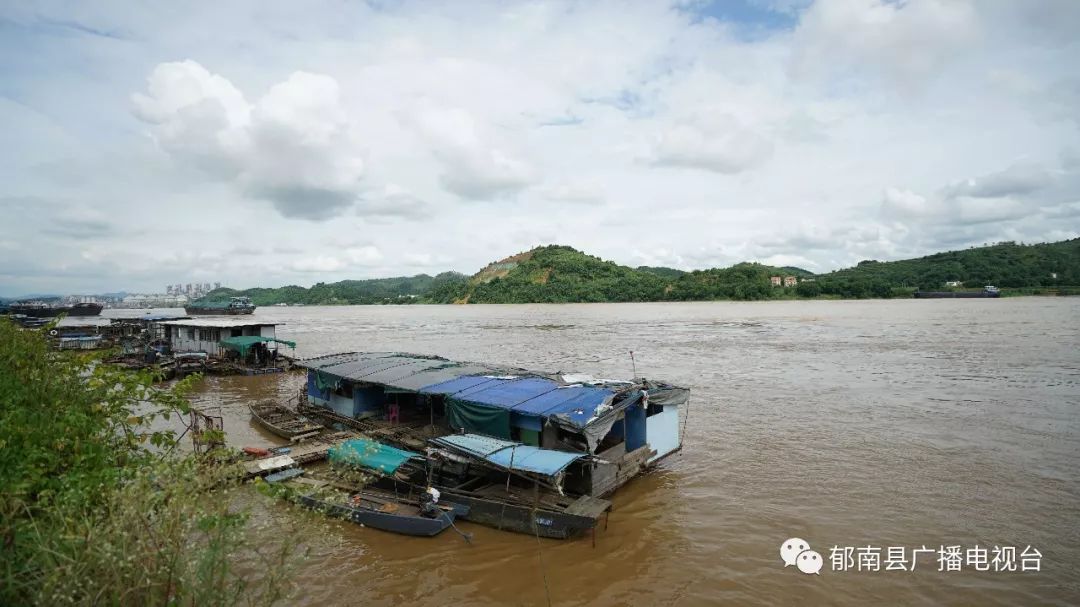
[
  {"x": 510, "y": 455},
  {"x": 370, "y": 454},
  {"x": 458, "y": 384},
  {"x": 507, "y": 394},
  {"x": 243, "y": 343},
  {"x": 325, "y": 381},
  {"x": 564, "y": 399},
  {"x": 471, "y": 417},
  {"x": 526, "y": 395}
]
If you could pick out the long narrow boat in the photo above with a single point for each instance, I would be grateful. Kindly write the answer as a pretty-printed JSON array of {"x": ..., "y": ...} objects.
[
  {"x": 386, "y": 513},
  {"x": 282, "y": 421}
]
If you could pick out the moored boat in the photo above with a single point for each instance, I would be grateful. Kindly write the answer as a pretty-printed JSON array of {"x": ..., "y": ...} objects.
[
  {"x": 387, "y": 512},
  {"x": 38, "y": 309},
  {"x": 282, "y": 421},
  {"x": 229, "y": 307}
]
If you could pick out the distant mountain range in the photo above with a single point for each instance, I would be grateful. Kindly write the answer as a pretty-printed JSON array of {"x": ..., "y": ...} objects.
[{"x": 559, "y": 274}]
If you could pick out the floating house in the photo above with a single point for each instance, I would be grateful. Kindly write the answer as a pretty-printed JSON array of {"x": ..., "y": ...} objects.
[
  {"x": 217, "y": 336},
  {"x": 571, "y": 439}
]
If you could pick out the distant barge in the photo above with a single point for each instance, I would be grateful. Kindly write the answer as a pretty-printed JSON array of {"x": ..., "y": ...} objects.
[
  {"x": 986, "y": 292},
  {"x": 234, "y": 306},
  {"x": 38, "y": 309}
]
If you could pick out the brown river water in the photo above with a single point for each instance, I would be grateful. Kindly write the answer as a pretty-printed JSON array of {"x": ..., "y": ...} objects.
[{"x": 847, "y": 423}]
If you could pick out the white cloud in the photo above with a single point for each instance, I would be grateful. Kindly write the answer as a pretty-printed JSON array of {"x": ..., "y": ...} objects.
[
  {"x": 448, "y": 135},
  {"x": 1018, "y": 179},
  {"x": 579, "y": 191},
  {"x": 294, "y": 147},
  {"x": 319, "y": 263},
  {"x": 904, "y": 41},
  {"x": 713, "y": 142},
  {"x": 474, "y": 165}
]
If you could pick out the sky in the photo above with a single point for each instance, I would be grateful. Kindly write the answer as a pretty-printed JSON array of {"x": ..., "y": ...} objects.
[{"x": 266, "y": 143}]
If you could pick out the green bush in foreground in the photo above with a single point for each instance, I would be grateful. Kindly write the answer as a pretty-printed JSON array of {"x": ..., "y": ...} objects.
[{"x": 95, "y": 505}]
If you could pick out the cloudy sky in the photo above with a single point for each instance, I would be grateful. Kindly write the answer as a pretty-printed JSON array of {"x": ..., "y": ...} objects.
[{"x": 265, "y": 143}]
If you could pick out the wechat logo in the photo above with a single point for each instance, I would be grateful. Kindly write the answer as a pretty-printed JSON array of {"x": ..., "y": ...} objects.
[{"x": 796, "y": 551}]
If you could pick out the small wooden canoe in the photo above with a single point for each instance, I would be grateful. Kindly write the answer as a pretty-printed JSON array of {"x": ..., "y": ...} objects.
[
  {"x": 387, "y": 513},
  {"x": 281, "y": 421}
]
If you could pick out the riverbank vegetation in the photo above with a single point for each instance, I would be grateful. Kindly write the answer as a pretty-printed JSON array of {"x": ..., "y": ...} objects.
[
  {"x": 558, "y": 274},
  {"x": 99, "y": 507}
]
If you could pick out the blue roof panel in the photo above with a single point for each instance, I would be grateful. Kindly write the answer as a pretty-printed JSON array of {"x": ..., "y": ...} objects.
[
  {"x": 581, "y": 408},
  {"x": 533, "y": 459},
  {"x": 458, "y": 384},
  {"x": 550, "y": 400},
  {"x": 507, "y": 394},
  {"x": 476, "y": 444},
  {"x": 505, "y": 454}
]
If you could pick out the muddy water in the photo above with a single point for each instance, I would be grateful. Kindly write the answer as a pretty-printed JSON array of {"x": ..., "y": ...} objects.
[{"x": 885, "y": 423}]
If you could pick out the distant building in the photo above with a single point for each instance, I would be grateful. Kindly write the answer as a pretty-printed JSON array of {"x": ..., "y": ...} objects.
[
  {"x": 790, "y": 281},
  {"x": 153, "y": 300},
  {"x": 1053, "y": 275},
  {"x": 775, "y": 280},
  {"x": 953, "y": 283}
]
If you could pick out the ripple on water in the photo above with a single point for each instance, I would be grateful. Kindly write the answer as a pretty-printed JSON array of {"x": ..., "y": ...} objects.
[{"x": 847, "y": 423}]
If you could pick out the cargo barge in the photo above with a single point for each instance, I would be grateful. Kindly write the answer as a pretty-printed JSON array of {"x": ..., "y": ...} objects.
[
  {"x": 234, "y": 306},
  {"x": 40, "y": 309}
]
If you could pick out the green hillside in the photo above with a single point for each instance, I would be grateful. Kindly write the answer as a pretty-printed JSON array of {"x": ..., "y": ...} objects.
[
  {"x": 403, "y": 289},
  {"x": 1004, "y": 265},
  {"x": 554, "y": 274},
  {"x": 559, "y": 274}
]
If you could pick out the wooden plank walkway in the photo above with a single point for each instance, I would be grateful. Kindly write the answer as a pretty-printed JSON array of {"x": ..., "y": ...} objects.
[{"x": 303, "y": 453}]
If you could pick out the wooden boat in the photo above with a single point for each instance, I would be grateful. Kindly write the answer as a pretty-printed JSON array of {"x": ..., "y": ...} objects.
[
  {"x": 284, "y": 475},
  {"x": 282, "y": 421},
  {"x": 387, "y": 513}
]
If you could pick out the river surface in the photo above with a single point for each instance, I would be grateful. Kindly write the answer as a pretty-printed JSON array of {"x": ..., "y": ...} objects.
[{"x": 844, "y": 423}]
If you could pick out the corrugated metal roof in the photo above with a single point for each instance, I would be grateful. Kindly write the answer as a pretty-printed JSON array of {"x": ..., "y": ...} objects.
[
  {"x": 510, "y": 455},
  {"x": 507, "y": 394},
  {"x": 522, "y": 392},
  {"x": 458, "y": 384},
  {"x": 561, "y": 398},
  {"x": 220, "y": 322}
]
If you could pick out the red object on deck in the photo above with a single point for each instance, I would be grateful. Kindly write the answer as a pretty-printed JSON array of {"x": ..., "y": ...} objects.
[{"x": 256, "y": 451}]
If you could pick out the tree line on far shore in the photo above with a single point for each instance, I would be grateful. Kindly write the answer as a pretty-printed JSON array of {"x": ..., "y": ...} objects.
[{"x": 559, "y": 274}]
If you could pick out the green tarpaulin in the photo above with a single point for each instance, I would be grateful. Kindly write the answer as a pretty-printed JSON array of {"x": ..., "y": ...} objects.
[
  {"x": 478, "y": 419},
  {"x": 369, "y": 454},
  {"x": 325, "y": 381},
  {"x": 243, "y": 343}
]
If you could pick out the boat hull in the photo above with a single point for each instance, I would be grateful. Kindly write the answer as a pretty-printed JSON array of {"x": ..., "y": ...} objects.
[
  {"x": 223, "y": 311},
  {"x": 78, "y": 310},
  {"x": 522, "y": 518},
  {"x": 295, "y": 426},
  {"x": 418, "y": 526}
]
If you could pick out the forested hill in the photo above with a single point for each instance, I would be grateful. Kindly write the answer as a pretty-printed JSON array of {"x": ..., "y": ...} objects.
[
  {"x": 403, "y": 289},
  {"x": 1004, "y": 265},
  {"x": 562, "y": 274},
  {"x": 558, "y": 274}
]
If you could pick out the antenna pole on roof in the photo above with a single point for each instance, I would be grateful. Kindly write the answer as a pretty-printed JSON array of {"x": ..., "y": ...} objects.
[{"x": 633, "y": 363}]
